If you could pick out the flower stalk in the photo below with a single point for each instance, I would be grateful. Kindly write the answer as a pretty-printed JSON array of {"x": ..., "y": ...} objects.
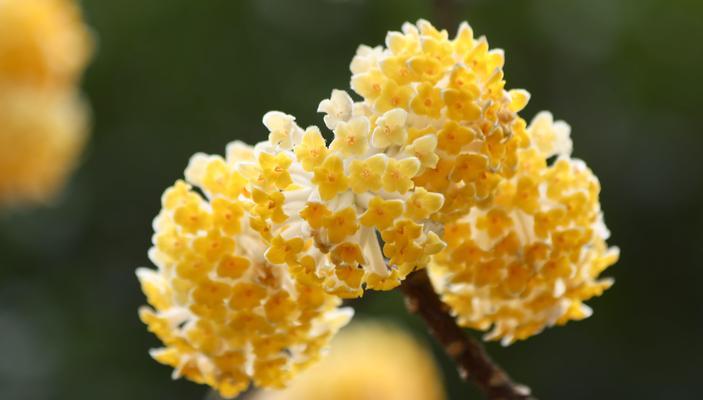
[{"x": 473, "y": 363}]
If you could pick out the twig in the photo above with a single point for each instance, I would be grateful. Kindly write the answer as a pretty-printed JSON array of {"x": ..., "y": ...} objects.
[
  {"x": 444, "y": 11},
  {"x": 471, "y": 358}
]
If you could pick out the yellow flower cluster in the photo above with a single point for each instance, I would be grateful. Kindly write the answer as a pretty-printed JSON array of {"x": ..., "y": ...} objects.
[
  {"x": 443, "y": 102},
  {"x": 433, "y": 168},
  {"x": 226, "y": 314},
  {"x": 44, "y": 47},
  {"x": 530, "y": 258},
  {"x": 368, "y": 361},
  {"x": 434, "y": 134}
]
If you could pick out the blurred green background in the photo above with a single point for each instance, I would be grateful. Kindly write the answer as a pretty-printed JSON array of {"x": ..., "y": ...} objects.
[{"x": 172, "y": 77}]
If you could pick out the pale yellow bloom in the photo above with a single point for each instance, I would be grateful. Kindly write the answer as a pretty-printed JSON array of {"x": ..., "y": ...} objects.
[
  {"x": 390, "y": 129},
  {"x": 351, "y": 138},
  {"x": 282, "y": 129},
  {"x": 338, "y": 108},
  {"x": 370, "y": 362}
]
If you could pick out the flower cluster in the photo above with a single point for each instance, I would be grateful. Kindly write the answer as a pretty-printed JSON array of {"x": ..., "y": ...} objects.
[
  {"x": 434, "y": 133},
  {"x": 44, "y": 47},
  {"x": 529, "y": 258},
  {"x": 402, "y": 369},
  {"x": 432, "y": 167},
  {"x": 226, "y": 314}
]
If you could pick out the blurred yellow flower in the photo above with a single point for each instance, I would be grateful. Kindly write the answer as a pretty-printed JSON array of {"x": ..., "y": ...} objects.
[
  {"x": 44, "y": 47},
  {"x": 41, "y": 136},
  {"x": 368, "y": 361}
]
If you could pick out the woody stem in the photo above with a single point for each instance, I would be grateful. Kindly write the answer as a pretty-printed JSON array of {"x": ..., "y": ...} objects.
[
  {"x": 471, "y": 358},
  {"x": 444, "y": 13}
]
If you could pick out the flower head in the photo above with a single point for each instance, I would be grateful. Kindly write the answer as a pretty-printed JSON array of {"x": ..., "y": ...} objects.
[
  {"x": 529, "y": 258},
  {"x": 432, "y": 136},
  {"x": 223, "y": 299},
  {"x": 432, "y": 168},
  {"x": 451, "y": 90}
]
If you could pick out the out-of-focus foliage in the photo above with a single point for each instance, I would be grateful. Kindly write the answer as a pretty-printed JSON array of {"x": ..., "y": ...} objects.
[{"x": 174, "y": 77}]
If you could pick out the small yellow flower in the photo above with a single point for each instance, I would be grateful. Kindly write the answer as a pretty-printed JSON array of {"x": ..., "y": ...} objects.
[
  {"x": 315, "y": 213},
  {"x": 402, "y": 231},
  {"x": 330, "y": 177},
  {"x": 351, "y": 278},
  {"x": 393, "y": 96},
  {"x": 284, "y": 251},
  {"x": 227, "y": 215},
  {"x": 381, "y": 213},
  {"x": 365, "y": 175},
  {"x": 338, "y": 108},
  {"x": 453, "y": 137},
  {"x": 469, "y": 167},
  {"x": 464, "y": 40},
  {"x": 213, "y": 246},
  {"x": 423, "y": 148},
  {"x": 428, "y": 69},
  {"x": 283, "y": 131},
  {"x": 233, "y": 267},
  {"x": 347, "y": 254},
  {"x": 351, "y": 138},
  {"x": 463, "y": 80},
  {"x": 275, "y": 169},
  {"x": 550, "y": 137},
  {"x": 312, "y": 151},
  {"x": 428, "y": 101},
  {"x": 369, "y": 84},
  {"x": 461, "y": 105},
  {"x": 436, "y": 179},
  {"x": 403, "y": 252},
  {"x": 518, "y": 99},
  {"x": 422, "y": 204},
  {"x": 433, "y": 244},
  {"x": 495, "y": 222},
  {"x": 341, "y": 224},
  {"x": 269, "y": 205},
  {"x": 397, "y": 69},
  {"x": 439, "y": 49},
  {"x": 401, "y": 44},
  {"x": 390, "y": 129},
  {"x": 192, "y": 217},
  {"x": 399, "y": 174}
]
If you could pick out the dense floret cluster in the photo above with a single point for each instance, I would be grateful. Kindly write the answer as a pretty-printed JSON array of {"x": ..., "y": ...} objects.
[
  {"x": 431, "y": 168},
  {"x": 529, "y": 258}
]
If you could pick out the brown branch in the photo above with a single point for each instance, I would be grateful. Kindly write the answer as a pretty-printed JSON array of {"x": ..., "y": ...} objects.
[
  {"x": 473, "y": 362},
  {"x": 444, "y": 14}
]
